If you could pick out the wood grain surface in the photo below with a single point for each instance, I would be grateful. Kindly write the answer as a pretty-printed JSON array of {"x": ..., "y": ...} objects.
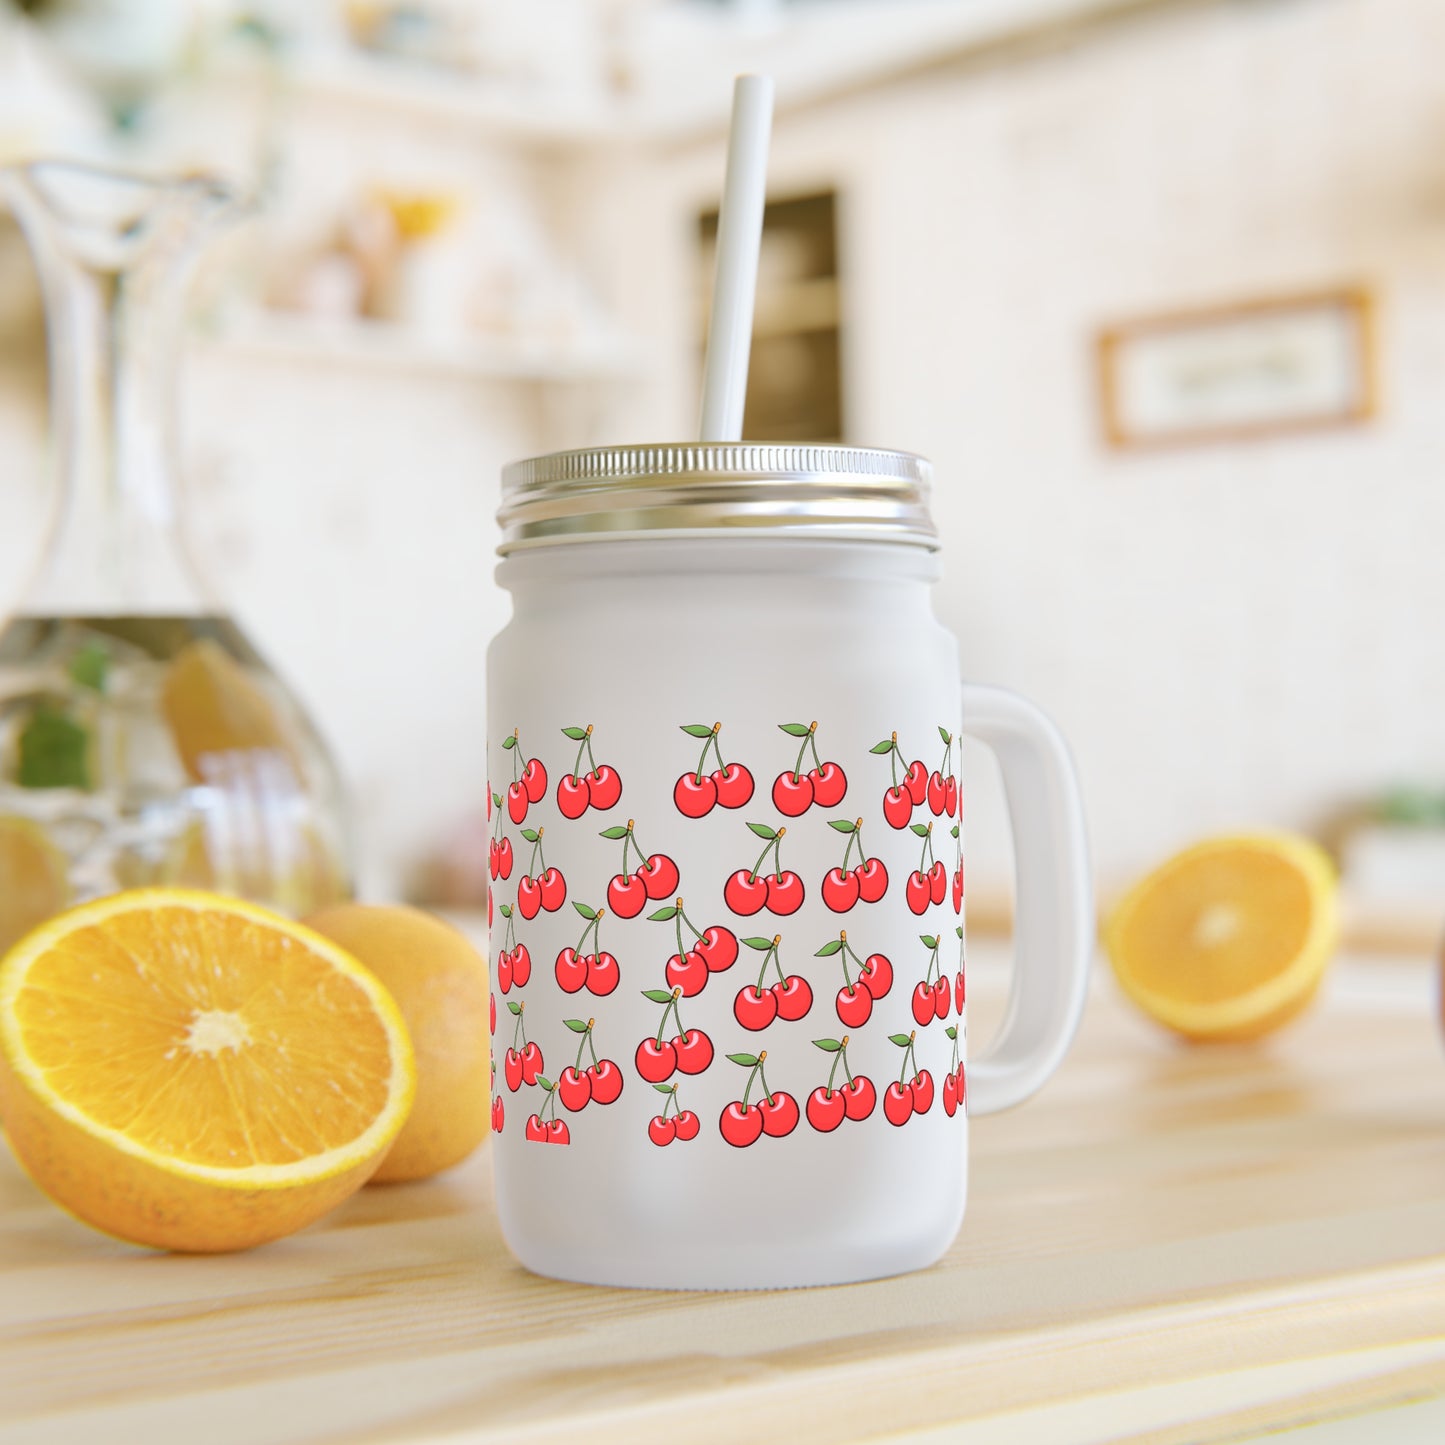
[{"x": 1168, "y": 1244}]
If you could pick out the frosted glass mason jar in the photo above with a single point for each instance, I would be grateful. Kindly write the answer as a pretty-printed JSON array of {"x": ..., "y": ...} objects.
[{"x": 730, "y": 1015}]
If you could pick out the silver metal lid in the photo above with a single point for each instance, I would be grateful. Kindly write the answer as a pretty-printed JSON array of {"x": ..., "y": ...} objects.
[{"x": 686, "y": 488}]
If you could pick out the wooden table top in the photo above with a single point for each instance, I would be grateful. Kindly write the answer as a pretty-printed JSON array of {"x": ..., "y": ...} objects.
[{"x": 1167, "y": 1244}]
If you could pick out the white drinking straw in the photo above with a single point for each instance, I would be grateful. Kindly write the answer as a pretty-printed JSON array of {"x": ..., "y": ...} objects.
[{"x": 735, "y": 283}]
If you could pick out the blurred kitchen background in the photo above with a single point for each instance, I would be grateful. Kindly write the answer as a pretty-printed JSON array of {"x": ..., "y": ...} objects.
[{"x": 1158, "y": 284}]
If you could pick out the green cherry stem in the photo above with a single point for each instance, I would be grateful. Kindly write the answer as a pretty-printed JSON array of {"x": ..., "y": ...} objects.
[
  {"x": 767, "y": 959},
  {"x": 844, "y": 954},
  {"x": 893, "y": 759},
  {"x": 812, "y": 743},
  {"x": 696, "y": 930},
  {"x": 587, "y": 743},
  {"x": 516, "y": 751},
  {"x": 520, "y": 1026},
  {"x": 843, "y": 1054},
  {"x": 798, "y": 763},
  {"x": 767, "y": 847},
  {"x": 669, "y": 1008},
  {"x": 907, "y": 1055},
  {"x": 757, "y": 1069},
  {"x": 582, "y": 1044},
  {"x": 581, "y": 748},
  {"x": 828, "y": 1090},
  {"x": 763, "y": 1074}
]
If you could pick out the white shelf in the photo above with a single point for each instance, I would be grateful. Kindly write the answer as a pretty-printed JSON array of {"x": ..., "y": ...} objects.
[{"x": 384, "y": 346}]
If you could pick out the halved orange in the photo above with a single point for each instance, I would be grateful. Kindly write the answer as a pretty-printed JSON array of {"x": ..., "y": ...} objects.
[
  {"x": 196, "y": 1073},
  {"x": 1228, "y": 939}
]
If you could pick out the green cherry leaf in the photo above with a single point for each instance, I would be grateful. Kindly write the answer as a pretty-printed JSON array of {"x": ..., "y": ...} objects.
[
  {"x": 530, "y": 834},
  {"x": 613, "y": 833},
  {"x": 763, "y": 831},
  {"x": 663, "y": 915},
  {"x": 928, "y": 940},
  {"x": 902, "y": 1040},
  {"x": 795, "y": 730},
  {"x": 946, "y": 736},
  {"x": 515, "y": 1007},
  {"x": 829, "y": 1046},
  {"x": 585, "y": 911},
  {"x": 510, "y": 741},
  {"x": 496, "y": 800},
  {"x": 695, "y": 730},
  {"x": 959, "y": 932},
  {"x": 829, "y": 949},
  {"x": 953, "y": 831},
  {"x": 506, "y": 910},
  {"x": 576, "y": 734},
  {"x": 886, "y": 746},
  {"x": 578, "y": 1026},
  {"x": 748, "y": 1061},
  {"x": 546, "y": 1083},
  {"x": 951, "y": 1031},
  {"x": 843, "y": 825},
  {"x": 657, "y": 995},
  {"x": 664, "y": 1088},
  {"x": 919, "y": 830},
  {"x": 758, "y": 943}
]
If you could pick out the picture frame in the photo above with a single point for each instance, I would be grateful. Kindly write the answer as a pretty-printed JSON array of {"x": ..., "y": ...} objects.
[{"x": 1268, "y": 367}]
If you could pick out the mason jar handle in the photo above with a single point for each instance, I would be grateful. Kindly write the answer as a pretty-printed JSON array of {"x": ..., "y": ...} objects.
[{"x": 1054, "y": 924}]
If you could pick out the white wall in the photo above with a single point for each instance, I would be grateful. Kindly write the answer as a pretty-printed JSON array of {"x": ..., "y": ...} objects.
[{"x": 1230, "y": 635}]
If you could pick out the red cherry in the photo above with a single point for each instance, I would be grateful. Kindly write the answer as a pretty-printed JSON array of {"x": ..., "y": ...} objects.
[
  {"x": 950, "y": 796},
  {"x": 516, "y": 802},
  {"x": 950, "y": 1095},
  {"x": 572, "y": 797},
  {"x": 898, "y": 1103},
  {"x": 840, "y": 890},
  {"x": 558, "y": 1132},
  {"x": 494, "y": 1014},
  {"x": 734, "y": 785},
  {"x": 793, "y": 794},
  {"x": 603, "y": 974},
  {"x": 606, "y": 1080},
  {"x": 745, "y": 894},
  {"x": 718, "y": 947},
  {"x": 859, "y": 1097},
  {"x": 780, "y": 1115},
  {"x": 854, "y": 1005},
  {"x": 492, "y": 857},
  {"x": 489, "y": 800},
  {"x": 829, "y": 784},
  {"x": 499, "y": 1115},
  {"x": 512, "y": 1070},
  {"x": 741, "y": 1126},
  {"x": 826, "y": 1111},
  {"x": 504, "y": 971},
  {"x": 536, "y": 1129},
  {"x": 794, "y": 998},
  {"x": 521, "y": 965},
  {"x": 917, "y": 892},
  {"x": 937, "y": 793},
  {"x": 489, "y": 907},
  {"x": 659, "y": 876},
  {"x": 661, "y": 1131},
  {"x": 656, "y": 1062},
  {"x": 785, "y": 893},
  {"x": 573, "y": 1089},
  {"x": 923, "y": 1003},
  {"x": 571, "y": 971},
  {"x": 554, "y": 890},
  {"x": 604, "y": 788},
  {"x": 897, "y": 807},
  {"x": 529, "y": 898},
  {"x": 532, "y": 1065},
  {"x": 916, "y": 781},
  {"x": 505, "y": 858},
  {"x": 941, "y": 992},
  {"x": 694, "y": 1051},
  {"x": 958, "y": 890},
  {"x": 687, "y": 1125},
  {"x": 876, "y": 975},
  {"x": 755, "y": 1008},
  {"x": 962, "y": 1085},
  {"x": 689, "y": 973},
  {"x": 922, "y": 1091},
  {"x": 872, "y": 879},
  {"x": 692, "y": 798},
  {"x": 938, "y": 882},
  {"x": 627, "y": 896},
  {"x": 534, "y": 780},
  {"x": 958, "y": 999}
]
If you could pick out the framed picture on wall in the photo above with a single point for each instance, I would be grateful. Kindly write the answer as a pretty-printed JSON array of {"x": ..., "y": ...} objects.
[{"x": 1254, "y": 369}]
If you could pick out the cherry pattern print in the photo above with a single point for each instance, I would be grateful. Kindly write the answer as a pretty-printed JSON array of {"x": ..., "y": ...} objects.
[
  {"x": 858, "y": 995},
  {"x": 743, "y": 1122},
  {"x": 788, "y": 999},
  {"x": 598, "y": 787},
  {"x": 599, "y": 1083},
  {"x": 932, "y": 997},
  {"x": 543, "y": 1129},
  {"x": 928, "y": 883},
  {"x": 576, "y": 969},
  {"x": 682, "y": 1124},
  {"x": 958, "y": 991},
  {"x": 750, "y": 890},
  {"x": 698, "y": 792},
  {"x": 523, "y": 1062},
  {"x": 541, "y": 887},
  {"x": 500, "y": 857},
  {"x": 529, "y": 781},
  {"x": 907, "y": 793},
  {"x": 865, "y": 882},
  {"x": 955, "y": 1089},
  {"x": 713, "y": 950},
  {"x": 827, "y": 1107},
  {"x": 655, "y": 877},
  {"x": 910, "y": 1095},
  {"x": 941, "y": 793},
  {"x": 688, "y": 1051},
  {"x": 824, "y": 784},
  {"x": 499, "y": 1112},
  {"x": 514, "y": 963}
]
